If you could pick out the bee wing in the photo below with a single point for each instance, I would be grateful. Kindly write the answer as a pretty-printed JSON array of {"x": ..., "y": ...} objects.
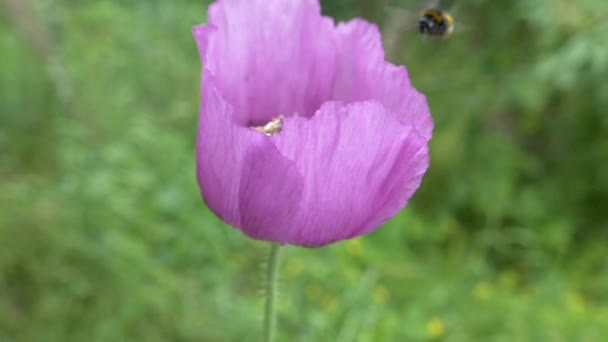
[
  {"x": 396, "y": 23},
  {"x": 432, "y": 4},
  {"x": 460, "y": 27},
  {"x": 400, "y": 18}
]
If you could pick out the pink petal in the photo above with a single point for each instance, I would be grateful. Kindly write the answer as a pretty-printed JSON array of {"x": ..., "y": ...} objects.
[
  {"x": 360, "y": 166},
  {"x": 363, "y": 74},
  {"x": 269, "y": 57},
  {"x": 243, "y": 177}
]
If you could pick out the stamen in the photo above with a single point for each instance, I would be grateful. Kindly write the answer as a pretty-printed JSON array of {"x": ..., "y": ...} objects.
[{"x": 274, "y": 126}]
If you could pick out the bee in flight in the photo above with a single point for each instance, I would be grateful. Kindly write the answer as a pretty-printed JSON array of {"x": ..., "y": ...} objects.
[
  {"x": 431, "y": 20},
  {"x": 435, "y": 22}
]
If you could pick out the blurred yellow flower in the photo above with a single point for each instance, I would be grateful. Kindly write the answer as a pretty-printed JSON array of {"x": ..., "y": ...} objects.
[
  {"x": 380, "y": 295},
  {"x": 314, "y": 292},
  {"x": 575, "y": 302},
  {"x": 237, "y": 259},
  {"x": 330, "y": 302},
  {"x": 435, "y": 328},
  {"x": 354, "y": 247},
  {"x": 483, "y": 291},
  {"x": 294, "y": 267},
  {"x": 508, "y": 279}
]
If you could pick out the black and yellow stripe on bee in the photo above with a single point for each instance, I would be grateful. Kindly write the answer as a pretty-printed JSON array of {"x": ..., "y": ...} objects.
[
  {"x": 434, "y": 14},
  {"x": 448, "y": 18}
]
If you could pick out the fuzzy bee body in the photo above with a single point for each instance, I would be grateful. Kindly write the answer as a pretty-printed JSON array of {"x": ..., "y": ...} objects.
[{"x": 436, "y": 23}]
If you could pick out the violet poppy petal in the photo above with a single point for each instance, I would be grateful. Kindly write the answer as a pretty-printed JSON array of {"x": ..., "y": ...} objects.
[
  {"x": 270, "y": 57},
  {"x": 360, "y": 166},
  {"x": 364, "y": 74},
  {"x": 242, "y": 176}
]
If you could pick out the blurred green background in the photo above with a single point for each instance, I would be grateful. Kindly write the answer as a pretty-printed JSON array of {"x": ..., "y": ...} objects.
[{"x": 104, "y": 237}]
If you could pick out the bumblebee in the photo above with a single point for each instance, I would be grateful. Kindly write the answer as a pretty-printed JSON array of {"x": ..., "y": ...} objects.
[
  {"x": 434, "y": 22},
  {"x": 431, "y": 20}
]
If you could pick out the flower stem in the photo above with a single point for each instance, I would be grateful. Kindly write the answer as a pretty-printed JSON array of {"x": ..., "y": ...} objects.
[{"x": 272, "y": 274}]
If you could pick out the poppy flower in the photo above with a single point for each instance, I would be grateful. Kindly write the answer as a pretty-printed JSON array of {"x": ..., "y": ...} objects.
[{"x": 306, "y": 135}]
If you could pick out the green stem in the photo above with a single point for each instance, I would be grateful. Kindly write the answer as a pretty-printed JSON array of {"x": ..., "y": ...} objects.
[{"x": 270, "y": 312}]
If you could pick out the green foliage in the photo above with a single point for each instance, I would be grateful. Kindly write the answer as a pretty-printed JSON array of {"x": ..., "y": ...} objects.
[{"x": 104, "y": 237}]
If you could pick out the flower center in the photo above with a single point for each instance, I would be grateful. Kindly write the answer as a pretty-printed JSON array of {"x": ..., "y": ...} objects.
[{"x": 272, "y": 127}]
